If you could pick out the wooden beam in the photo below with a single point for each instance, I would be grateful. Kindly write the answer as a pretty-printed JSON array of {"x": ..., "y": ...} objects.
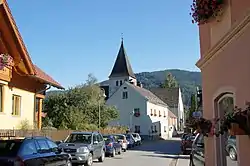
[{"x": 39, "y": 122}]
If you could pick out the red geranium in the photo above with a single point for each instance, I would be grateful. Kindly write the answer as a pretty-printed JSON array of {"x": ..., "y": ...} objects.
[{"x": 202, "y": 10}]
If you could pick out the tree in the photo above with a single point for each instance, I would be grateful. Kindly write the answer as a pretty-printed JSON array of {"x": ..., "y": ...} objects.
[
  {"x": 193, "y": 106},
  {"x": 78, "y": 107},
  {"x": 170, "y": 82}
]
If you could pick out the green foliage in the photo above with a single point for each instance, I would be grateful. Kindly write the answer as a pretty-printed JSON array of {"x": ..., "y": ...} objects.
[
  {"x": 170, "y": 82},
  {"x": 193, "y": 106},
  {"x": 25, "y": 125},
  {"x": 187, "y": 80},
  {"x": 78, "y": 107}
]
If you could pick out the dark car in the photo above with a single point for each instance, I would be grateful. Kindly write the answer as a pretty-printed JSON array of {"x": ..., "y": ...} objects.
[
  {"x": 231, "y": 147},
  {"x": 113, "y": 147},
  {"x": 84, "y": 147},
  {"x": 186, "y": 144},
  {"x": 33, "y": 151},
  {"x": 197, "y": 153}
]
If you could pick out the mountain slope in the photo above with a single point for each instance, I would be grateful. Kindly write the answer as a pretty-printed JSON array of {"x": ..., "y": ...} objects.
[{"x": 187, "y": 80}]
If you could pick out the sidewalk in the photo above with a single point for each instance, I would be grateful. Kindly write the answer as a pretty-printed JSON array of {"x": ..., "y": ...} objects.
[{"x": 183, "y": 160}]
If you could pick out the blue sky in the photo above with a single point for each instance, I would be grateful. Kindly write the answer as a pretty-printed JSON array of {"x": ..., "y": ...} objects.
[{"x": 69, "y": 39}]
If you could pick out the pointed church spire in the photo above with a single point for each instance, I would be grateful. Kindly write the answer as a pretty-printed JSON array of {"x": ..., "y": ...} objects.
[{"x": 122, "y": 66}]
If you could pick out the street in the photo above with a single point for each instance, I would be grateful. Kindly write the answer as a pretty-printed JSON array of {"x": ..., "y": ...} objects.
[{"x": 160, "y": 153}]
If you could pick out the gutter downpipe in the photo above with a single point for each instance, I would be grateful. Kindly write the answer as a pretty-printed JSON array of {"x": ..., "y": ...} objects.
[{"x": 39, "y": 116}]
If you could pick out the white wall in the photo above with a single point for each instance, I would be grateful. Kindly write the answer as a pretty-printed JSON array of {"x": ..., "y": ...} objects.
[
  {"x": 180, "y": 108},
  {"x": 9, "y": 121},
  {"x": 126, "y": 106},
  {"x": 160, "y": 122}
]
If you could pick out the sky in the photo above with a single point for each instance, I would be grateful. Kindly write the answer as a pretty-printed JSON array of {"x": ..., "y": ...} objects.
[{"x": 70, "y": 39}]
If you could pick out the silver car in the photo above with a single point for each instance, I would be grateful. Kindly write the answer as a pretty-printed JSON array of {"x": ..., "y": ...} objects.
[
  {"x": 84, "y": 147},
  {"x": 122, "y": 140}
]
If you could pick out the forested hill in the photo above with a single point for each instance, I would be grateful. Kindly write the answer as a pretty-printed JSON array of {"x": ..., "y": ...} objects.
[{"x": 187, "y": 80}]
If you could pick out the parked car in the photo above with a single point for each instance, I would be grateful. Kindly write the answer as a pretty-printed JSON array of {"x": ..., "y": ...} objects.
[
  {"x": 123, "y": 141},
  {"x": 231, "y": 147},
  {"x": 33, "y": 151},
  {"x": 131, "y": 140},
  {"x": 84, "y": 147},
  {"x": 137, "y": 138},
  {"x": 197, "y": 153},
  {"x": 184, "y": 136},
  {"x": 113, "y": 147},
  {"x": 186, "y": 144}
]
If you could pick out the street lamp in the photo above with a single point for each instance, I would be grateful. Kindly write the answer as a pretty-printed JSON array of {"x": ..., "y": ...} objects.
[{"x": 99, "y": 107}]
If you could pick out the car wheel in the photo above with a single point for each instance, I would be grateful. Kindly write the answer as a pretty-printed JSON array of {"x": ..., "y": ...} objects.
[
  {"x": 232, "y": 154},
  {"x": 89, "y": 161},
  {"x": 124, "y": 150},
  {"x": 102, "y": 157},
  {"x": 113, "y": 153}
]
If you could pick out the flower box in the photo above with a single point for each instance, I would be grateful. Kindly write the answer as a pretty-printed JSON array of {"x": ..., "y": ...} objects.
[{"x": 236, "y": 130}]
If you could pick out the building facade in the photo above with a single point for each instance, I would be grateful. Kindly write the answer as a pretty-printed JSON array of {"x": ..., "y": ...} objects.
[
  {"x": 23, "y": 84},
  {"x": 224, "y": 63},
  {"x": 142, "y": 111}
]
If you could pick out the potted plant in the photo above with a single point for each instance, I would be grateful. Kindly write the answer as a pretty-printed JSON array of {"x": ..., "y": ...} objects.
[
  {"x": 203, "y": 10},
  {"x": 5, "y": 61},
  {"x": 201, "y": 125},
  {"x": 236, "y": 122}
]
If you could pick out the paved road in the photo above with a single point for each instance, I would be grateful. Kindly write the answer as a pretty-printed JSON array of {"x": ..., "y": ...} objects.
[{"x": 160, "y": 153}]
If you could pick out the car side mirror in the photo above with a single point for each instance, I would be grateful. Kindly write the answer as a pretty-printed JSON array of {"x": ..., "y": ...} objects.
[
  {"x": 200, "y": 145},
  {"x": 95, "y": 142}
]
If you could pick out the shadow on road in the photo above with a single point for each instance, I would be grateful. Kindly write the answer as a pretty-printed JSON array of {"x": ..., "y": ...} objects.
[{"x": 164, "y": 147}]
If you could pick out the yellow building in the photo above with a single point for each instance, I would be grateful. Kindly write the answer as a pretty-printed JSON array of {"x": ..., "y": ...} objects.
[{"x": 22, "y": 84}]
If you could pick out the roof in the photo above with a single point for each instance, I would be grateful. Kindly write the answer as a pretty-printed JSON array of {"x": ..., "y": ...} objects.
[
  {"x": 169, "y": 95},
  {"x": 46, "y": 78},
  {"x": 148, "y": 95},
  {"x": 33, "y": 70},
  {"x": 122, "y": 66}
]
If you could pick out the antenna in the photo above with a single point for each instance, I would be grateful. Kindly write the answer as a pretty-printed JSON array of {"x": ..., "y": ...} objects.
[{"x": 122, "y": 36}]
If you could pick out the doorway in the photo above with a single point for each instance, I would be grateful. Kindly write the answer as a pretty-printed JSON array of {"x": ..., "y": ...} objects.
[{"x": 225, "y": 145}]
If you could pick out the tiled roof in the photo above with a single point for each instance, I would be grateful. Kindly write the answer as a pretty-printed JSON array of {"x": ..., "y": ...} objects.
[
  {"x": 46, "y": 78},
  {"x": 122, "y": 66},
  {"x": 148, "y": 95},
  {"x": 169, "y": 95}
]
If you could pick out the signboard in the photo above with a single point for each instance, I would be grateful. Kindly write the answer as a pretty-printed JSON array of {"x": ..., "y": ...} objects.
[{"x": 197, "y": 114}]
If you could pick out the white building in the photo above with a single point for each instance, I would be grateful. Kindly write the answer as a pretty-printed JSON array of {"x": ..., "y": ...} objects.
[
  {"x": 142, "y": 111},
  {"x": 139, "y": 109},
  {"x": 173, "y": 98}
]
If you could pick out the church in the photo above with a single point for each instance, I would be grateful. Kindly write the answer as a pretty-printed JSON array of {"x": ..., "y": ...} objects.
[{"x": 139, "y": 109}]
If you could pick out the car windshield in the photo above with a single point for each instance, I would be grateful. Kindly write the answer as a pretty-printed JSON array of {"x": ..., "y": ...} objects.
[
  {"x": 134, "y": 135},
  {"x": 107, "y": 139},
  {"x": 119, "y": 137},
  {"x": 190, "y": 138},
  {"x": 79, "y": 138},
  {"x": 10, "y": 148}
]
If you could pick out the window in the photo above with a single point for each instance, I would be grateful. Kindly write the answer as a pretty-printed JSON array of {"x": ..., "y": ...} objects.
[
  {"x": 43, "y": 146},
  {"x": 164, "y": 113},
  {"x": 124, "y": 95},
  {"x": 159, "y": 113},
  {"x": 16, "y": 105},
  {"x": 117, "y": 83},
  {"x": 1, "y": 98},
  {"x": 95, "y": 138},
  {"x": 165, "y": 128},
  {"x": 124, "y": 87},
  {"x": 51, "y": 144},
  {"x": 99, "y": 138},
  {"x": 120, "y": 82},
  {"x": 155, "y": 113},
  {"x": 137, "y": 129},
  {"x": 155, "y": 129},
  {"x": 137, "y": 111},
  {"x": 79, "y": 138},
  {"x": 151, "y": 112},
  {"x": 29, "y": 148}
]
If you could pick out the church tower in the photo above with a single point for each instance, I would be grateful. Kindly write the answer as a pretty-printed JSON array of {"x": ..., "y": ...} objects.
[{"x": 121, "y": 72}]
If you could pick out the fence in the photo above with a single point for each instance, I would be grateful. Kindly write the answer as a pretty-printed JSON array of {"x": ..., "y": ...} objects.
[{"x": 55, "y": 135}]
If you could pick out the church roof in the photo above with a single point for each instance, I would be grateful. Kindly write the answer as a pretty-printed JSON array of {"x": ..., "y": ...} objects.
[{"x": 122, "y": 66}]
